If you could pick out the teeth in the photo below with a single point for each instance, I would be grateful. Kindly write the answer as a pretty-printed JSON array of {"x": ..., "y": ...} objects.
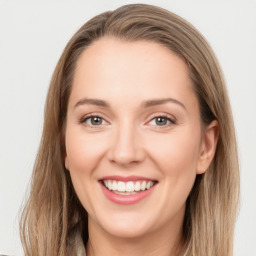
[
  {"x": 124, "y": 193},
  {"x": 127, "y": 188},
  {"x": 121, "y": 186},
  {"x": 149, "y": 185},
  {"x": 109, "y": 184},
  {"x": 114, "y": 185},
  {"x": 143, "y": 185},
  {"x": 137, "y": 186},
  {"x": 130, "y": 186}
]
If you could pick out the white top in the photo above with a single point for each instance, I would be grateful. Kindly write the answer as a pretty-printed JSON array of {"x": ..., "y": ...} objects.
[{"x": 80, "y": 250}]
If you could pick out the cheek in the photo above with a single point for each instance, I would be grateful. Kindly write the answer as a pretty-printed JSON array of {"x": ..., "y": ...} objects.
[
  {"x": 176, "y": 155},
  {"x": 83, "y": 152},
  {"x": 176, "y": 158},
  {"x": 83, "y": 155},
  {"x": 177, "y": 152}
]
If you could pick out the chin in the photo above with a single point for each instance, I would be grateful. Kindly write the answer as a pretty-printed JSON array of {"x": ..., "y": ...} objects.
[
  {"x": 126, "y": 232},
  {"x": 125, "y": 225}
]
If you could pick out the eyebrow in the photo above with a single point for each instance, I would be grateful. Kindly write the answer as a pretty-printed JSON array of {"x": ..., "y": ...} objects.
[
  {"x": 155, "y": 102},
  {"x": 145, "y": 104},
  {"x": 96, "y": 102}
]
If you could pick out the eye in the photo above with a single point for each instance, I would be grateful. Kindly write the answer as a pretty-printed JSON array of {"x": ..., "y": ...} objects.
[
  {"x": 161, "y": 121},
  {"x": 93, "y": 121}
]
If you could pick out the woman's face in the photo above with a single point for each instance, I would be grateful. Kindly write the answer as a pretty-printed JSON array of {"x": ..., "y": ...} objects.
[{"x": 134, "y": 142}]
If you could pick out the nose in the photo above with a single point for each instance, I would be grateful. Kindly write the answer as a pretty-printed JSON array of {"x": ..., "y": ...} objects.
[{"x": 126, "y": 146}]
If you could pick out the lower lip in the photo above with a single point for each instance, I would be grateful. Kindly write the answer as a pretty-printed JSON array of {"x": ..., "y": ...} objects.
[{"x": 126, "y": 199}]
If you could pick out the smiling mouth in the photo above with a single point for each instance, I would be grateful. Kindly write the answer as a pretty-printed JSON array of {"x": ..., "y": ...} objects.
[{"x": 129, "y": 187}]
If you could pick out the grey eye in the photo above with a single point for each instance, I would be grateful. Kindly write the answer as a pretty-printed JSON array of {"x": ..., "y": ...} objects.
[
  {"x": 94, "y": 120},
  {"x": 161, "y": 120}
]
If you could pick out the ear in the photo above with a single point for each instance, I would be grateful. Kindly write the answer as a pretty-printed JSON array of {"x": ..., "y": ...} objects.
[
  {"x": 208, "y": 146},
  {"x": 66, "y": 163}
]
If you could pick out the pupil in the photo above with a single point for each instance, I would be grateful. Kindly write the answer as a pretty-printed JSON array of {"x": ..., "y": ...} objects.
[
  {"x": 161, "y": 121},
  {"x": 96, "y": 120}
]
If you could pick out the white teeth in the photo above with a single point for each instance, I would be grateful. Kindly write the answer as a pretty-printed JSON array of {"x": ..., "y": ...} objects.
[
  {"x": 143, "y": 185},
  {"x": 124, "y": 193},
  {"x": 114, "y": 185},
  {"x": 127, "y": 188},
  {"x": 105, "y": 182},
  {"x": 149, "y": 185},
  {"x": 137, "y": 186},
  {"x": 121, "y": 186},
  {"x": 109, "y": 185}
]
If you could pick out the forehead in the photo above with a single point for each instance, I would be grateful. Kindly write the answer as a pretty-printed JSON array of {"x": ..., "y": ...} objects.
[
  {"x": 111, "y": 67},
  {"x": 127, "y": 56}
]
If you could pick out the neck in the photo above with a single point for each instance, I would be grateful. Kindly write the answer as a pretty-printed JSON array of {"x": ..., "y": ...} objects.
[{"x": 166, "y": 241}]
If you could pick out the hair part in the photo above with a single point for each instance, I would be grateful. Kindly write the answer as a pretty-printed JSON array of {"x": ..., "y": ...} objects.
[{"x": 53, "y": 212}]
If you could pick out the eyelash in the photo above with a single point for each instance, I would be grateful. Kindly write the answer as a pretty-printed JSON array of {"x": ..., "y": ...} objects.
[{"x": 169, "y": 119}]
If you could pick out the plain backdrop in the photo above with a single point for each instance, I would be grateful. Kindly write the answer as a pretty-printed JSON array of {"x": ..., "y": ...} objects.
[{"x": 32, "y": 37}]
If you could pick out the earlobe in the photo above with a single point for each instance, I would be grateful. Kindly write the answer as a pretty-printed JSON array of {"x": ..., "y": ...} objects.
[
  {"x": 66, "y": 163},
  {"x": 208, "y": 146}
]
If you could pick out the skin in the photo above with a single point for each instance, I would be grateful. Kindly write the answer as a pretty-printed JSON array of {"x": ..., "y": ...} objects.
[{"x": 128, "y": 141}]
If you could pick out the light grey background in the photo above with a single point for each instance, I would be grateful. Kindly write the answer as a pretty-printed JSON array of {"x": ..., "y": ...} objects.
[{"x": 32, "y": 37}]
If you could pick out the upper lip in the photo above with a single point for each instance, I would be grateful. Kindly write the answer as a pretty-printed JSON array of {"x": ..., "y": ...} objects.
[{"x": 126, "y": 178}]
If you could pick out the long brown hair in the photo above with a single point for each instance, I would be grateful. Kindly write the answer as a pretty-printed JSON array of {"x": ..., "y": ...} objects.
[{"x": 53, "y": 213}]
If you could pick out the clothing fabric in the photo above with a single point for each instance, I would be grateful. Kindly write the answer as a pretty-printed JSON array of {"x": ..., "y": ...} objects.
[{"x": 80, "y": 250}]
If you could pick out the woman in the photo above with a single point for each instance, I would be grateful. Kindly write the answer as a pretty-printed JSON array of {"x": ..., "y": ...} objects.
[{"x": 138, "y": 153}]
